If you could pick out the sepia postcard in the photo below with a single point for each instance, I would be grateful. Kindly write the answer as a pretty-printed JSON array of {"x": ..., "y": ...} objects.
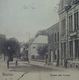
[{"x": 39, "y": 39}]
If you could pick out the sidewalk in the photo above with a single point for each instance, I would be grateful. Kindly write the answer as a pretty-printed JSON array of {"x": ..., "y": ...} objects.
[
  {"x": 51, "y": 66},
  {"x": 6, "y": 74},
  {"x": 42, "y": 64}
]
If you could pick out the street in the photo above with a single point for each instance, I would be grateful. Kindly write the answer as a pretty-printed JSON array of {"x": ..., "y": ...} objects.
[
  {"x": 39, "y": 39},
  {"x": 36, "y": 71}
]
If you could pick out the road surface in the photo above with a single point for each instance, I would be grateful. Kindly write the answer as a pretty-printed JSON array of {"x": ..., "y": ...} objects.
[{"x": 36, "y": 71}]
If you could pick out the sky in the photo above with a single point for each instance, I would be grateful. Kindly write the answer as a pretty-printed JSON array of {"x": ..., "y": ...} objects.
[{"x": 22, "y": 19}]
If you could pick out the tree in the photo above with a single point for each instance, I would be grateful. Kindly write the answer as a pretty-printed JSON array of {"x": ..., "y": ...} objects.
[
  {"x": 42, "y": 50},
  {"x": 2, "y": 41},
  {"x": 2, "y": 44},
  {"x": 12, "y": 47}
]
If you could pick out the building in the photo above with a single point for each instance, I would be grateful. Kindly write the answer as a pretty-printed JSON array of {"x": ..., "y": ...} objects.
[
  {"x": 69, "y": 32},
  {"x": 39, "y": 40},
  {"x": 2, "y": 41},
  {"x": 53, "y": 42}
]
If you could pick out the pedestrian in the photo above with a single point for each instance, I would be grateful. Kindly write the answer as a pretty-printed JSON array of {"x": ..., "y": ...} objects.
[
  {"x": 65, "y": 63},
  {"x": 46, "y": 58},
  {"x": 57, "y": 62},
  {"x": 16, "y": 63},
  {"x": 8, "y": 63}
]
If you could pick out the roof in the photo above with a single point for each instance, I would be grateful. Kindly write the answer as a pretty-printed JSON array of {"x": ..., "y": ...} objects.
[
  {"x": 53, "y": 28},
  {"x": 41, "y": 39}
]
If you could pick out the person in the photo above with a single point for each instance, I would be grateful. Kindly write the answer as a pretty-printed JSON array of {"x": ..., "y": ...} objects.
[
  {"x": 16, "y": 63},
  {"x": 8, "y": 63},
  {"x": 46, "y": 58},
  {"x": 10, "y": 58},
  {"x": 65, "y": 63},
  {"x": 57, "y": 62}
]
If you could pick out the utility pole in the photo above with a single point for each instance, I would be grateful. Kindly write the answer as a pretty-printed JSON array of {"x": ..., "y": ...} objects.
[
  {"x": 49, "y": 49},
  {"x": 28, "y": 47}
]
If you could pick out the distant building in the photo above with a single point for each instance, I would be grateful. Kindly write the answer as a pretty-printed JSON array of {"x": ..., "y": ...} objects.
[
  {"x": 35, "y": 43},
  {"x": 69, "y": 32}
]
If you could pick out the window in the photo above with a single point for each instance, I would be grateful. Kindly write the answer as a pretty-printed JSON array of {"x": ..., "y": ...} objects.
[
  {"x": 77, "y": 49},
  {"x": 76, "y": 21},
  {"x": 71, "y": 49},
  {"x": 55, "y": 37},
  {"x": 63, "y": 50},
  {"x": 70, "y": 23},
  {"x": 52, "y": 39},
  {"x": 63, "y": 27}
]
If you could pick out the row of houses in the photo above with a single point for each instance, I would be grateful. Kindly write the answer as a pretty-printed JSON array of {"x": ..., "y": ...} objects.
[{"x": 63, "y": 37}]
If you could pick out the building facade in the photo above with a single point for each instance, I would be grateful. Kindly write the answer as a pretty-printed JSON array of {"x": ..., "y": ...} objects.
[
  {"x": 53, "y": 44},
  {"x": 69, "y": 32},
  {"x": 39, "y": 40}
]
